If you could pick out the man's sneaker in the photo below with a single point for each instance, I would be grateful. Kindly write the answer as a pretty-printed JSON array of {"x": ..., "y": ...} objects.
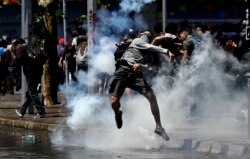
[
  {"x": 161, "y": 132},
  {"x": 118, "y": 119},
  {"x": 41, "y": 115},
  {"x": 19, "y": 113}
]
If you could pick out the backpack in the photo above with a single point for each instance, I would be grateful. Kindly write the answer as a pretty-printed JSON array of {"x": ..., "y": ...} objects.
[
  {"x": 26, "y": 55},
  {"x": 37, "y": 55}
]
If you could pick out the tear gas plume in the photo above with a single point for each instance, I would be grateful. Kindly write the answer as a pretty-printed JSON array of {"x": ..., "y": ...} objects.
[
  {"x": 200, "y": 91},
  {"x": 131, "y": 5},
  {"x": 93, "y": 110},
  {"x": 206, "y": 92}
]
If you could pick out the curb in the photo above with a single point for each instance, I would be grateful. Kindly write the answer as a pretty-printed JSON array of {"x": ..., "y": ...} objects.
[
  {"x": 215, "y": 147},
  {"x": 238, "y": 150},
  {"x": 212, "y": 147},
  {"x": 28, "y": 124}
]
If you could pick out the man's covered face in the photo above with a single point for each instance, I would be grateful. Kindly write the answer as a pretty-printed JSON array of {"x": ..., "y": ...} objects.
[{"x": 146, "y": 36}]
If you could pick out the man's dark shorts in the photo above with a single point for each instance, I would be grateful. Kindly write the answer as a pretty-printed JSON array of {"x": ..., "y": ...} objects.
[{"x": 123, "y": 77}]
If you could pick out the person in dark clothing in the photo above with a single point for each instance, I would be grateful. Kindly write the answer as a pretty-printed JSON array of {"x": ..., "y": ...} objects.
[
  {"x": 3, "y": 72},
  {"x": 9, "y": 80},
  {"x": 17, "y": 71},
  {"x": 124, "y": 43},
  {"x": 121, "y": 48},
  {"x": 32, "y": 69},
  {"x": 128, "y": 73},
  {"x": 167, "y": 40},
  {"x": 69, "y": 55}
]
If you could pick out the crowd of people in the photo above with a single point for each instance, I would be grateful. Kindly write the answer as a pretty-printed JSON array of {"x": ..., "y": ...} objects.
[
  {"x": 180, "y": 38},
  {"x": 139, "y": 57},
  {"x": 176, "y": 37},
  {"x": 10, "y": 71}
]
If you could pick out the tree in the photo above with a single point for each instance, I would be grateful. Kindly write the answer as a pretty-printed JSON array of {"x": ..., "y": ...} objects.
[{"x": 49, "y": 79}]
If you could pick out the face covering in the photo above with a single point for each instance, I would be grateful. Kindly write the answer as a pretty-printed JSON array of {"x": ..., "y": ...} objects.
[{"x": 145, "y": 37}]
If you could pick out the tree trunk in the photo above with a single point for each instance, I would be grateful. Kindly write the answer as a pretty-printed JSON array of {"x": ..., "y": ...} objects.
[{"x": 49, "y": 79}]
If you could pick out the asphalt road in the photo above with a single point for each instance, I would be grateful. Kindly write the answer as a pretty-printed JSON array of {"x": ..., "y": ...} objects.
[{"x": 15, "y": 144}]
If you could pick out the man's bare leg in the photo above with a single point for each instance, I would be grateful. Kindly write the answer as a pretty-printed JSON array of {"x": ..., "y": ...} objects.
[
  {"x": 154, "y": 107},
  {"x": 115, "y": 103},
  {"x": 156, "y": 113}
]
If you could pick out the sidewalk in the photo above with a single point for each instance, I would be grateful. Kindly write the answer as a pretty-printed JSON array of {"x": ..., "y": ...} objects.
[
  {"x": 188, "y": 137},
  {"x": 8, "y": 103}
]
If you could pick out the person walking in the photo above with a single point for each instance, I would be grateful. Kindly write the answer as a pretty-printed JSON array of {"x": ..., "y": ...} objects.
[
  {"x": 32, "y": 62},
  {"x": 68, "y": 55},
  {"x": 128, "y": 73},
  {"x": 81, "y": 54},
  {"x": 60, "y": 70}
]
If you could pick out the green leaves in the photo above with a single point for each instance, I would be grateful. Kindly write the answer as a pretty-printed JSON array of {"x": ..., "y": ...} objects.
[{"x": 59, "y": 13}]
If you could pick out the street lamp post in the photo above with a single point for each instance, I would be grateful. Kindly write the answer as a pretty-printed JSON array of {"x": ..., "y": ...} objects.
[
  {"x": 65, "y": 42},
  {"x": 164, "y": 14},
  {"x": 91, "y": 22},
  {"x": 64, "y": 23},
  {"x": 248, "y": 79},
  {"x": 26, "y": 31},
  {"x": 247, "y": 21}
]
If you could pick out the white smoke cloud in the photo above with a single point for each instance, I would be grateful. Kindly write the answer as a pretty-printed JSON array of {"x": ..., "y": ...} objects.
[
  {"x": 132, "y": 5},
  {"x": 104, "y": 60},
  {"x": 93, "y": 110},
  {"x": 203, "y": 84},
  {"x": 206, "y": 85}
]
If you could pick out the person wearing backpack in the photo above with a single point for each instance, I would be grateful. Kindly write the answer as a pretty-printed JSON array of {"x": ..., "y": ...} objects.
[{"x": 32, "y": 61}]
